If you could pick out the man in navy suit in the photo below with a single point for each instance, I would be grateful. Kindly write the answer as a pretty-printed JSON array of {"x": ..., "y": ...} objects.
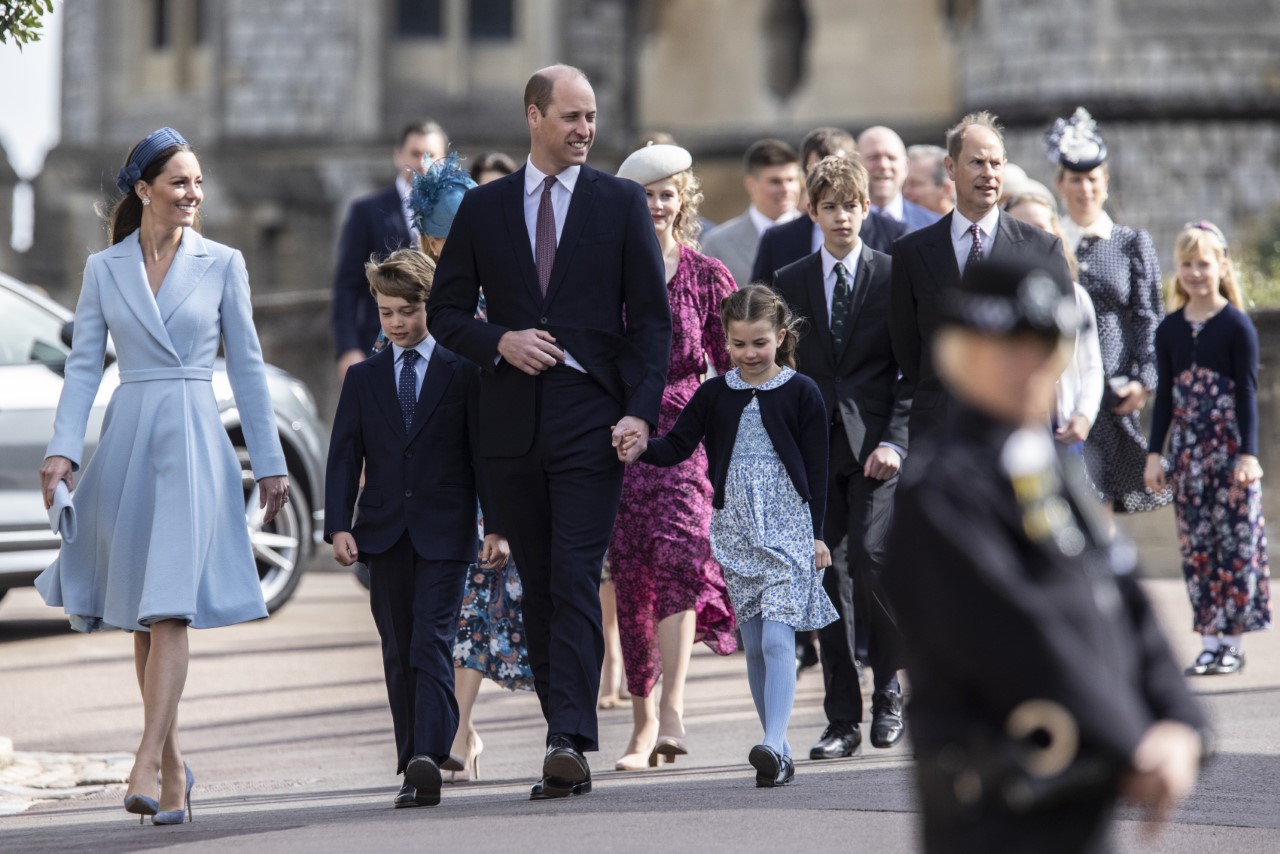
[
  {"x": 885, "y": 157},
  {"x": 377, "y": 225},
  {"x": 843, "y": 291},
  {"x": 407, "y": 418},
  {"x": 928, "y": 263},
  {"x": 563, "y": 253}
]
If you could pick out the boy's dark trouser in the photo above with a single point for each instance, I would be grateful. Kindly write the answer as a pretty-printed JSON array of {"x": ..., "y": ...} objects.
[
  {"x": 859, "y": 514},
  {"x": 415, "y": 604}
]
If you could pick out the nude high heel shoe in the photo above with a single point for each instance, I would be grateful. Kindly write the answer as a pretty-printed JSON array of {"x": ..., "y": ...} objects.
[{"x": 468, "y": 766}]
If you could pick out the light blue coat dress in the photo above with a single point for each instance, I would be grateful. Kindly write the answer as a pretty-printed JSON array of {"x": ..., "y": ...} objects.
[{"x": 161, "y": 504}]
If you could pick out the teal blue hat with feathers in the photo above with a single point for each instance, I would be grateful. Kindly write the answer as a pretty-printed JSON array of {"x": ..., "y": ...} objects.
[{"x": 436, "y": 194}]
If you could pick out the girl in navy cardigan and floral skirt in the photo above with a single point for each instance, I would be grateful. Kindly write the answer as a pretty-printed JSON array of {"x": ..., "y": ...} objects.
[
  {"x": 765, "y": 431},
  {"x": 1207, "y": 355}
]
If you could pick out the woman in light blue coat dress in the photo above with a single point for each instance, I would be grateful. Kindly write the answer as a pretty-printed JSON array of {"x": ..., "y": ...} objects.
[{"x": 162, "y": 542}]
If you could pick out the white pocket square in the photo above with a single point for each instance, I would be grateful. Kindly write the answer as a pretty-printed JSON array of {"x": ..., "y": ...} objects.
[{"x": 62, "y": 514}]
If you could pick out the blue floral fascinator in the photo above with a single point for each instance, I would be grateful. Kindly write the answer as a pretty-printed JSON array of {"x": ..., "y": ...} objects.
[{"x": 436, "y": 194}]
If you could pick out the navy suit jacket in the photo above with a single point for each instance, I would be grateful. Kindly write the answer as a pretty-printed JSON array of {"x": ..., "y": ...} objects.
[
  {"x": 424, "y": 481},
  {"x": 787, "y": 243},
  {"x": 924, "y": 268},
  {"x": 374, "y": 227},
  {"x": 606, "y": 302},
  {"x": 862, "y": 381}
]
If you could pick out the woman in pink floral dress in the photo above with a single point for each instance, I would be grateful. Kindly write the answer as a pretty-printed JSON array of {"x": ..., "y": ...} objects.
[{"x": 670, "y": 590}]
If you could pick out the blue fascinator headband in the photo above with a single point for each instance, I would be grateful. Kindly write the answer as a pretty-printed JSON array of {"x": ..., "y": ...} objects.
[
  {"x": 435, "y": 196},
  {"x": 143, "y": 153}
]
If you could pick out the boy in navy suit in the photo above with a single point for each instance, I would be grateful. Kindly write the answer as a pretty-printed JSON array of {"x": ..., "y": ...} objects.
[
  {"x": 843, "y": 289},
  {"x": 406, "y": 418}
]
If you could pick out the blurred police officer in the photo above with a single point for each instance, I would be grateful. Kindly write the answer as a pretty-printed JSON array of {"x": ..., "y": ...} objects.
[{"x": 1042, "y": 687}]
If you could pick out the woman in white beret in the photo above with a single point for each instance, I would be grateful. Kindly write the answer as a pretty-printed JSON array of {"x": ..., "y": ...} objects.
[{"x": 670, "y": 590}]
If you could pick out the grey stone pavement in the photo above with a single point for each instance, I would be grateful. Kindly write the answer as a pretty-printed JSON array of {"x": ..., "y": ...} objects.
[{"x": 285, "y": 725}]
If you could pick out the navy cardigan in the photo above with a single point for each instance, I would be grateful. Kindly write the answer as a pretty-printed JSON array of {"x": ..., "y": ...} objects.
[
  {"x": 793, "y": 414},
  {"x": 1227, "y": 345}
]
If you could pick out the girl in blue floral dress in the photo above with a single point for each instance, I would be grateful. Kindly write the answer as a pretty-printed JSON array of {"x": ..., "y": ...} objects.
[
  {"x": 1207, "y": 356},
  {"x": 765, "y": 431}
]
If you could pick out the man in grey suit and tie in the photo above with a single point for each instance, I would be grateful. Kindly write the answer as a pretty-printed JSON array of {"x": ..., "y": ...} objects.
[{"x": 772, "y": 182}]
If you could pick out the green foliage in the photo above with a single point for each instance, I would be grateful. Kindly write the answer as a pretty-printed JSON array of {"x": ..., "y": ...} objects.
[
  {"x": 1258, "y": 265},
  {"x": 20, "y": 20}
]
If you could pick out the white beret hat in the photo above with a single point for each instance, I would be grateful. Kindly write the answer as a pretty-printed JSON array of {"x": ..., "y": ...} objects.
[{"x": 655, "y": 162}]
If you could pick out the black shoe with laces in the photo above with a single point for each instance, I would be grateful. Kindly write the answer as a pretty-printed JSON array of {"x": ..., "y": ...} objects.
[{"x": 839, "y": 739}]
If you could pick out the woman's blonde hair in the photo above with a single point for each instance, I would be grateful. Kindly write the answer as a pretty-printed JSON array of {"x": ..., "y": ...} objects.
[
  {"x": 1206, "y": 239},
  {"x": 686, "y": 227},
  {"x": 757, "y": 302},
  {"x": 1055, "y": 225}
]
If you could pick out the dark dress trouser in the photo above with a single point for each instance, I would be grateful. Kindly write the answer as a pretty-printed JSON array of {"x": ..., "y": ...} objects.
[
  {"x": 415, "y": 604},
  {"x": 859, "y": 513},
  {"x": 558, "y": 503}
]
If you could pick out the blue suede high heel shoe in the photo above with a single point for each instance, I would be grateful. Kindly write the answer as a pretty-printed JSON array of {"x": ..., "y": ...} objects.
[
  {"x": 176, "y": 816},
  {"x": 141, "y": 805}
]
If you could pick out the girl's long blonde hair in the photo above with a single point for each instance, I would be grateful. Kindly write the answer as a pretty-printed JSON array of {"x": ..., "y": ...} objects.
[{"x": 1206, "y": 239}]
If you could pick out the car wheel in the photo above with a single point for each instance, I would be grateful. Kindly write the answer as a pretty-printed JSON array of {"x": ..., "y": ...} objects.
[{"x": 279, "y": 548}]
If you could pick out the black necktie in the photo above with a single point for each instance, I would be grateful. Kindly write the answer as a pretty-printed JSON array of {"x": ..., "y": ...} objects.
[
  {"x": 840, "y": 302},
  {"x": 407, "y": 390}
]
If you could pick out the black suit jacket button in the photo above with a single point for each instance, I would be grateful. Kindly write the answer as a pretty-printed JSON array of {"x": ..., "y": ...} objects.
[
  {"x": 408, "y": 493},
  {"x": 543, "y": 321},
  {"x": 408, "y": 454}
]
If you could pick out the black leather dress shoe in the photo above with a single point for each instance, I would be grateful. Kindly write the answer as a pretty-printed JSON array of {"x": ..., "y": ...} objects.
[
  {"x": 1230, "y": 660},
  {"x": 839, "y": 739},
  {"x": 1204, "y": 661},
  {"x": 786, "y": 771},
  {"x": 406, "y": 797},
  {"x": 767, "y": 763},
  {"x": 886, "y": 718},
  {"x": 424, "y": 775},
  {"x": 565, "y": 771}
]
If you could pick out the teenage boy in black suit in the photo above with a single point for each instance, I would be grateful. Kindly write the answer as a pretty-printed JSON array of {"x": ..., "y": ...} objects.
[
  {"x": 406, "y": 418},
  {"x": 843, "y": 289}
]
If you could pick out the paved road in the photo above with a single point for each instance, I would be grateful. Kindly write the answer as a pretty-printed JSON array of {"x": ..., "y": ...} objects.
[{"x": 286, "y": 727}]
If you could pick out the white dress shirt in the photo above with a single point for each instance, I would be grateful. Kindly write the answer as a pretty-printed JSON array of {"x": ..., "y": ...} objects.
[
  {"x": 763, "y": 223},
  {"x": 829, "y": 262},
  {"x": 404, "y": 187},
  {"x": 1080, "y": 386},
  {"x": 962, "y": 240},
  {"x": 1100, "y": 228},
  {"x": 895, "y": 210},
  {"x": 425, "y": 348},
  {"x": 561, "y": 195}
]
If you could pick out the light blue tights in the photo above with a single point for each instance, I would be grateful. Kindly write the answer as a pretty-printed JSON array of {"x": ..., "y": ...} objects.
[{"x": 771, "y": 673}]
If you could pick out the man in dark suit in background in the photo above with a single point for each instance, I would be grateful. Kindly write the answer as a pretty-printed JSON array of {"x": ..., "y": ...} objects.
[
  {"x": 885, "y": 157},
  {"x": 377, "y": 225},
  {"x": 562, "y": 252},
  {"x": 791, "y": 241},
  {"x": 929, "y": 262},
  {"x": 843, "y": 291}
]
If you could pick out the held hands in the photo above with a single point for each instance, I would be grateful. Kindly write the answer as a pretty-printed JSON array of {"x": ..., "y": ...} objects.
[
  {"x": 1153, "y": 475},
  {"x": 882, "y": 464},
  {"x": 344, "y": 548},
  {"x": 1132, "y": 396},
  {"x": 52, "y": 470},
  {"x": 495, "y": 553},
  {"x": 1075, "y": 430},
  {"x": 273, "y": 495},
  {"x": 1248, "y": 470},
  {"x": 1165, "y": 764},
  {"x": 531, "y": 350},
  {"x": 821, "y": 555},
  {"x": 630, "y": 438}
]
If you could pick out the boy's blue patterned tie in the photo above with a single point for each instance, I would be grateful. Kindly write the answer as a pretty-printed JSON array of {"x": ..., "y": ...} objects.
[{"x": 408, "y": 388}]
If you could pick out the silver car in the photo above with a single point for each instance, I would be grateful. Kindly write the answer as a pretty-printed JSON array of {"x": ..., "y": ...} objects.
[{"x": 34, "y": 344}]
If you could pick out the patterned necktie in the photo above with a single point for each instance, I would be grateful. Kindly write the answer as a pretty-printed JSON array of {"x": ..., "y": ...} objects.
[
  {"x": 407, "y": 389},
  {"x": 975, "y": 248},
  {"x": 840, "y": 301},
  {"x": 545, "y": 236}
]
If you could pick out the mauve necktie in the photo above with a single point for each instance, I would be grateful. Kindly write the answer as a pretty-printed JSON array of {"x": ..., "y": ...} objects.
[
  {"x": 975, "y": 248},
  {"x": 840, "y": 301},
  {"x": 546, "y": 235},
  {"x": 407, "y": 390}
]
